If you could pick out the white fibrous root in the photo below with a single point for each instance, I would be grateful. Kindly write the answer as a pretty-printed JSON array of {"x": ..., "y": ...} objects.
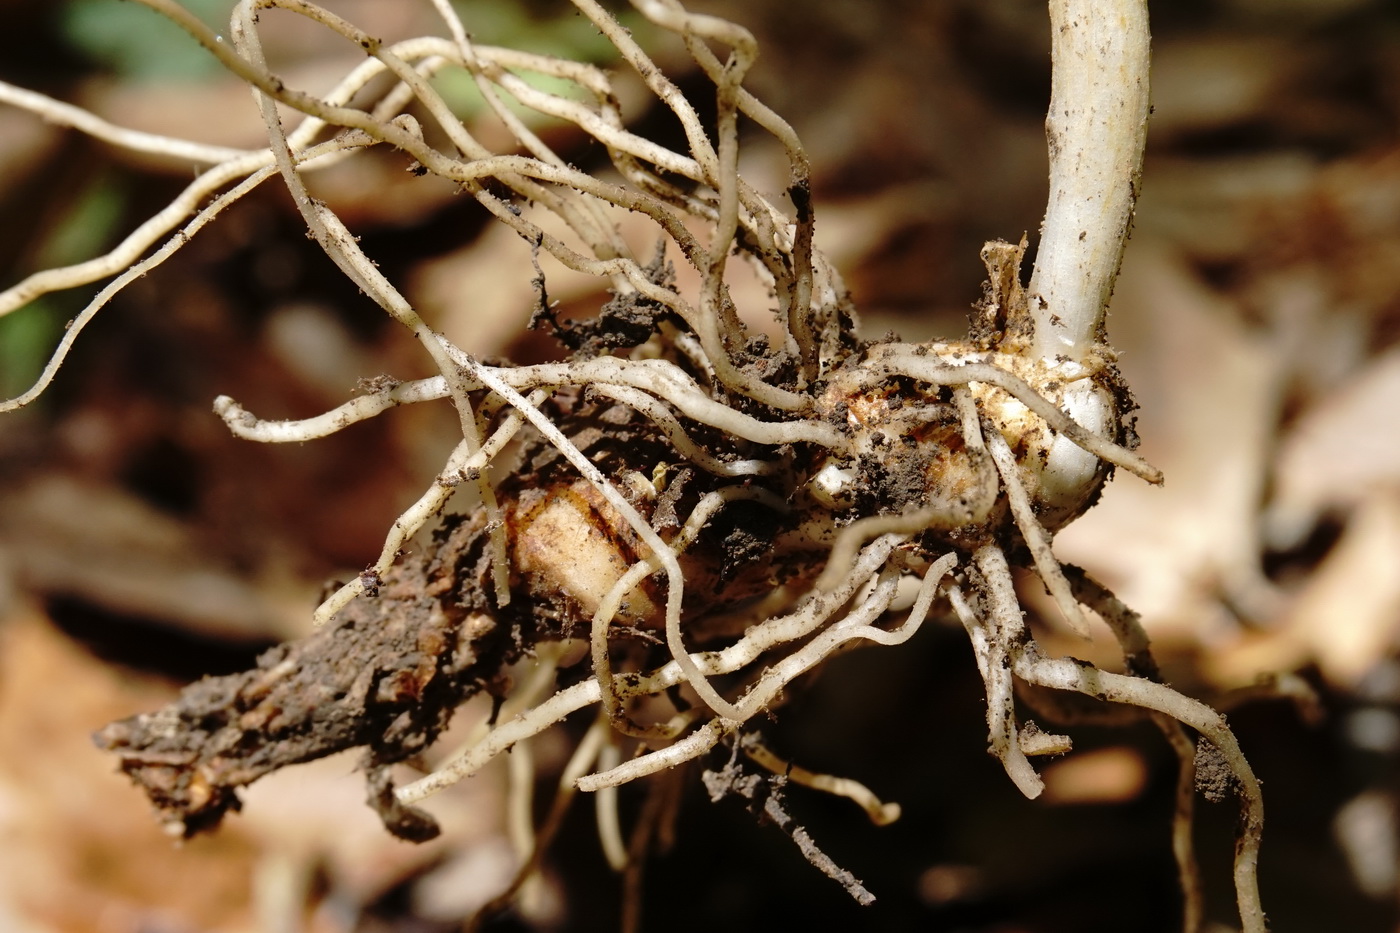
[{"x": 837, "y": 469}]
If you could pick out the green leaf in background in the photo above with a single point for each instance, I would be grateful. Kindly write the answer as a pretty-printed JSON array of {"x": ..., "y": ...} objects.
[
  {"x": 138, "y": 43},
  {"x": 87, "y": 225},
  {"x": 546, "y": 29},
  {"x": 27, "y": 337},
  {"x": 86, "y": 228}
]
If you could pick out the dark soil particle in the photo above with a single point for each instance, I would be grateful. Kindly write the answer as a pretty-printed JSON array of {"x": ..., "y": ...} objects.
[{"x": 625, "y": 321}]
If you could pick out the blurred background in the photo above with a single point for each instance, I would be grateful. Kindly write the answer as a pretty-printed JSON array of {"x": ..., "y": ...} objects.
[{"x": 1257, "y": 320}]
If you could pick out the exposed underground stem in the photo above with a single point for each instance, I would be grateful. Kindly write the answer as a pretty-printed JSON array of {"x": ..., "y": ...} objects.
[{"x": 1096, "y": 129}]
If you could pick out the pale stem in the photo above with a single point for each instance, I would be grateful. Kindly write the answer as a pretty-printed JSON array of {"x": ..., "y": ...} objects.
[{"x": 1096, "y": 129}]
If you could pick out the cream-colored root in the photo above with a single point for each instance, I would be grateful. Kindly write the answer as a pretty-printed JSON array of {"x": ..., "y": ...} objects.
[
  {"x": 1032, "y": 666},
  {"x": 880, "y": 812},
  {"x": 600, "y": 638},
  {"x": 1034, "y": 534}
]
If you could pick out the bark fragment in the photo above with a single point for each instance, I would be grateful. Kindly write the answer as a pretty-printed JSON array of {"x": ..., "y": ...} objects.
[{"x": 385, "y": 676}]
